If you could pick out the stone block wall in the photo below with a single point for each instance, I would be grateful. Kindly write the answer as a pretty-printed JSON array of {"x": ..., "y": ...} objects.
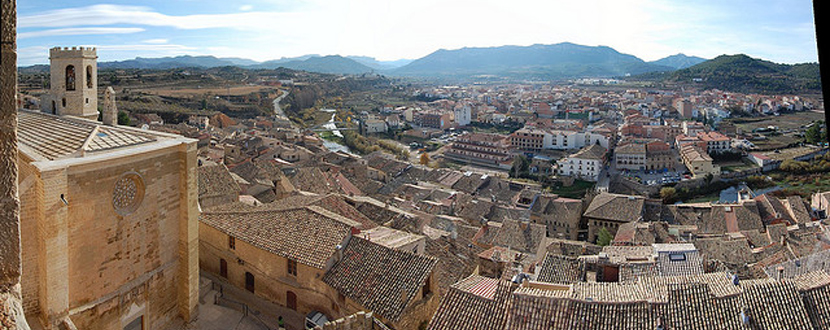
[
  {"x": 101, "y": 267},
  {"x": 272, "y": 281}
]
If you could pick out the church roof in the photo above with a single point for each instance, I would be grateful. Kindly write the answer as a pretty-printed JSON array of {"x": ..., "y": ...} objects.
[{"x": 55, "y": 137}]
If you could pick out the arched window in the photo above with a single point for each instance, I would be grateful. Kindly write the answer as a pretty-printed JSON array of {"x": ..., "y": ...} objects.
[
  {"x": 70, "y": 77},
  {"x": 88, "y": 76}
]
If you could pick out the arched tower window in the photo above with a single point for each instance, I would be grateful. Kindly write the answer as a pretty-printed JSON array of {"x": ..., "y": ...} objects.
[
  {"x": 88, "y": 76},
  {"x": 70, "y": 77}
]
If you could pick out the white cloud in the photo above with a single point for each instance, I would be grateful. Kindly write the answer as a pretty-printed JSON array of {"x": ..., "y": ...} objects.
[
  {"x": 246, "y": 7},
  {"x": 77, "y": 31},
  {"x": 155, "y": 41},
  {"x": 118, "y": 14}
]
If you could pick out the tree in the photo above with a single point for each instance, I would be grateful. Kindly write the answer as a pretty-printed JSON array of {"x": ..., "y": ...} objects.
[
  {"x": 668, "y": 194},
  {"x": 604, "y": 237},
  {"x": 123, "y": 118},
  {"x": 520, "y": 166},
  {"x": 814, "y": 134},
  {"x": 424, "y": 159}
]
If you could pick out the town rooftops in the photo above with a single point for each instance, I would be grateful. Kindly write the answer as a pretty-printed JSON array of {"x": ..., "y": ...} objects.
[
  {"x": 391, "y": 238},
  {"x": 381, "y": 279},
  {"x": 559, "y": 269},
  {"x": 615, "y": 207},
  {"x": 216, "y": 181},
  {"x": 472, "y": 303},
  {"x": 591, "y": 152},
  {"x": 631, "y": 149},
  {"x": 708, "y": 301},
  {"x": 307, "y": 235},
  {"x": 49, "y": 137}
]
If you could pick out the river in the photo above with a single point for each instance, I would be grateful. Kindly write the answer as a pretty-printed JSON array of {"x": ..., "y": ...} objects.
[{"x": 331, "y": 145}]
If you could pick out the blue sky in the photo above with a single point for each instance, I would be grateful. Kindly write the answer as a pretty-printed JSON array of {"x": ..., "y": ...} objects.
[{"x": 778, "y": 30}]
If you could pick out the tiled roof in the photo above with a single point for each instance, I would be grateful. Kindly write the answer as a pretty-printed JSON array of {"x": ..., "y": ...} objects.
[
  {"x": 311, "y": 179},
  {"x": 54, "y": 137},
  {"x": 308, "y": 235},
  {"x": 559, "y": 269},
  {"x": 456, "y": 259},
  {"x": 620, "y": 208},
  {"x": 524, "y": 237},
  {"x": 469, "y": 183},
  {"x": 468, "y": 305},
  {"x": 707, "y": 301},
  {"x": 215, "y": 181},
  {"x": 591, "y": 152},
  {"x": 381, "y": 279}
]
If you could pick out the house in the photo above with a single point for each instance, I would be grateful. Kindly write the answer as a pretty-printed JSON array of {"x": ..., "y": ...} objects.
[
  {"x": 397, "y": 286},
  {"x": 630, "y": 156},
  {"x": 216, "y": 186},
  {"x": 307, "y": 258},
  {"x": 586, "y": 164},
  {"x": 698, "y": 161},
  {"x": 490, "y": 150},
  {"x": 373, "y": 126},
  {"x": 609, "y": 211},
  {"x": 562, "y": 217}
]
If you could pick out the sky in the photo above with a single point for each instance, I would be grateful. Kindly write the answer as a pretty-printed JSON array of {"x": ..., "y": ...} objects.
[{"x": 781, "y": 31}]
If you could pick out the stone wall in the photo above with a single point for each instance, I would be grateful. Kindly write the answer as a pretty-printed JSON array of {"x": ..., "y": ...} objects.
[
  {"x": 270, "y": 271},
  {"x": 31, "y": 189},
  {"x": 102, "y": 267},
  {"x": 11, "y": 308}
]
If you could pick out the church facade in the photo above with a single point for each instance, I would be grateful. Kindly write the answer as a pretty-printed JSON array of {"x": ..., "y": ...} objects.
[{"x": 109, "y": 214}]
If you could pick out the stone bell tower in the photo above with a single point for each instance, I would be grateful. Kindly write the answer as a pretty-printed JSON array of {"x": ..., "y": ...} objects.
[{"x": 74, "y": 81}]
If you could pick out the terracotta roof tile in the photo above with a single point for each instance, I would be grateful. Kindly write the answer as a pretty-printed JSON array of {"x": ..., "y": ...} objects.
[
  {"x": 307, "y": 235},
  {"x": 381, "y": 279}
]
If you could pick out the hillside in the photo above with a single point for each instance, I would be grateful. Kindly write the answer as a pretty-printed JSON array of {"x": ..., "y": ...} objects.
[
  {"x": 679, "y": 61},
  {"x": 327, "y": 64},
  {"x": 564, "y": 60},
  {"x": 185, "y": 61},
  {"x": 744, "y": 74}
]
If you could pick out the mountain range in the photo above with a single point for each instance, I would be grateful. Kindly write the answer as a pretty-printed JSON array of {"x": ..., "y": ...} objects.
[
  {"x": 557, "y": 61},
  {"x": 546, "y": 62}
]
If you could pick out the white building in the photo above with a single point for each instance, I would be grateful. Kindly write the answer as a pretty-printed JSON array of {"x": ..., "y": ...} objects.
[
  {"x": 586, "y": 164},
  {"x": 463, "y": 115},
  {"x": 564, "y": 140}
]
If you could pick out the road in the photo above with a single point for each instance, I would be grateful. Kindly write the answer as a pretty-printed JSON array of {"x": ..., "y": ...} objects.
[{"x": 277, "y": 108}]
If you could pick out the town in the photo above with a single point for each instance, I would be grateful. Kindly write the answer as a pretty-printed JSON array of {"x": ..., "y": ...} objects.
[
  {"x": 506, "y": 207},
  {"x": 258, "y": 198}
]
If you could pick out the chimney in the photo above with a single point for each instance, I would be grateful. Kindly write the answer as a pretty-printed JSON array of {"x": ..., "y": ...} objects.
[
  {"x": 339, "y": 249},
  {"x": 780, "y": 272},
  {"x": 109, "y": 114}
]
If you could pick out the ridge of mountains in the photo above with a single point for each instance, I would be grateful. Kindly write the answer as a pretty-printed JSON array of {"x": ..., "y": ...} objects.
[{"x": 561, "y": 61}]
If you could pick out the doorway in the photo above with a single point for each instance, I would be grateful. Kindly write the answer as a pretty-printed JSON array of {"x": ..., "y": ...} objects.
[
  {"x": 223, "y": 268},
  {"x": 249, "y": 282},
  {"x": 291, "y": 299}
]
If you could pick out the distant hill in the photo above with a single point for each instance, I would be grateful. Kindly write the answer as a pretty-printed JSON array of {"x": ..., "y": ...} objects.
[
  {"x": 744, "y": 74},
  {"x": 564, "y": 60},
  {"x": 326, "y": 64},
  {"x": 379, "y": 65},
  {"x": 679, "y": 61},
  {"x": 185, "y": 61},
  {"x": 314, "y": 63}
]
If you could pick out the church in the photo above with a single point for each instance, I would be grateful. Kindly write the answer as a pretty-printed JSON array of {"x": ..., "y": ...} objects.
[{"x": 108, "y": 213}]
